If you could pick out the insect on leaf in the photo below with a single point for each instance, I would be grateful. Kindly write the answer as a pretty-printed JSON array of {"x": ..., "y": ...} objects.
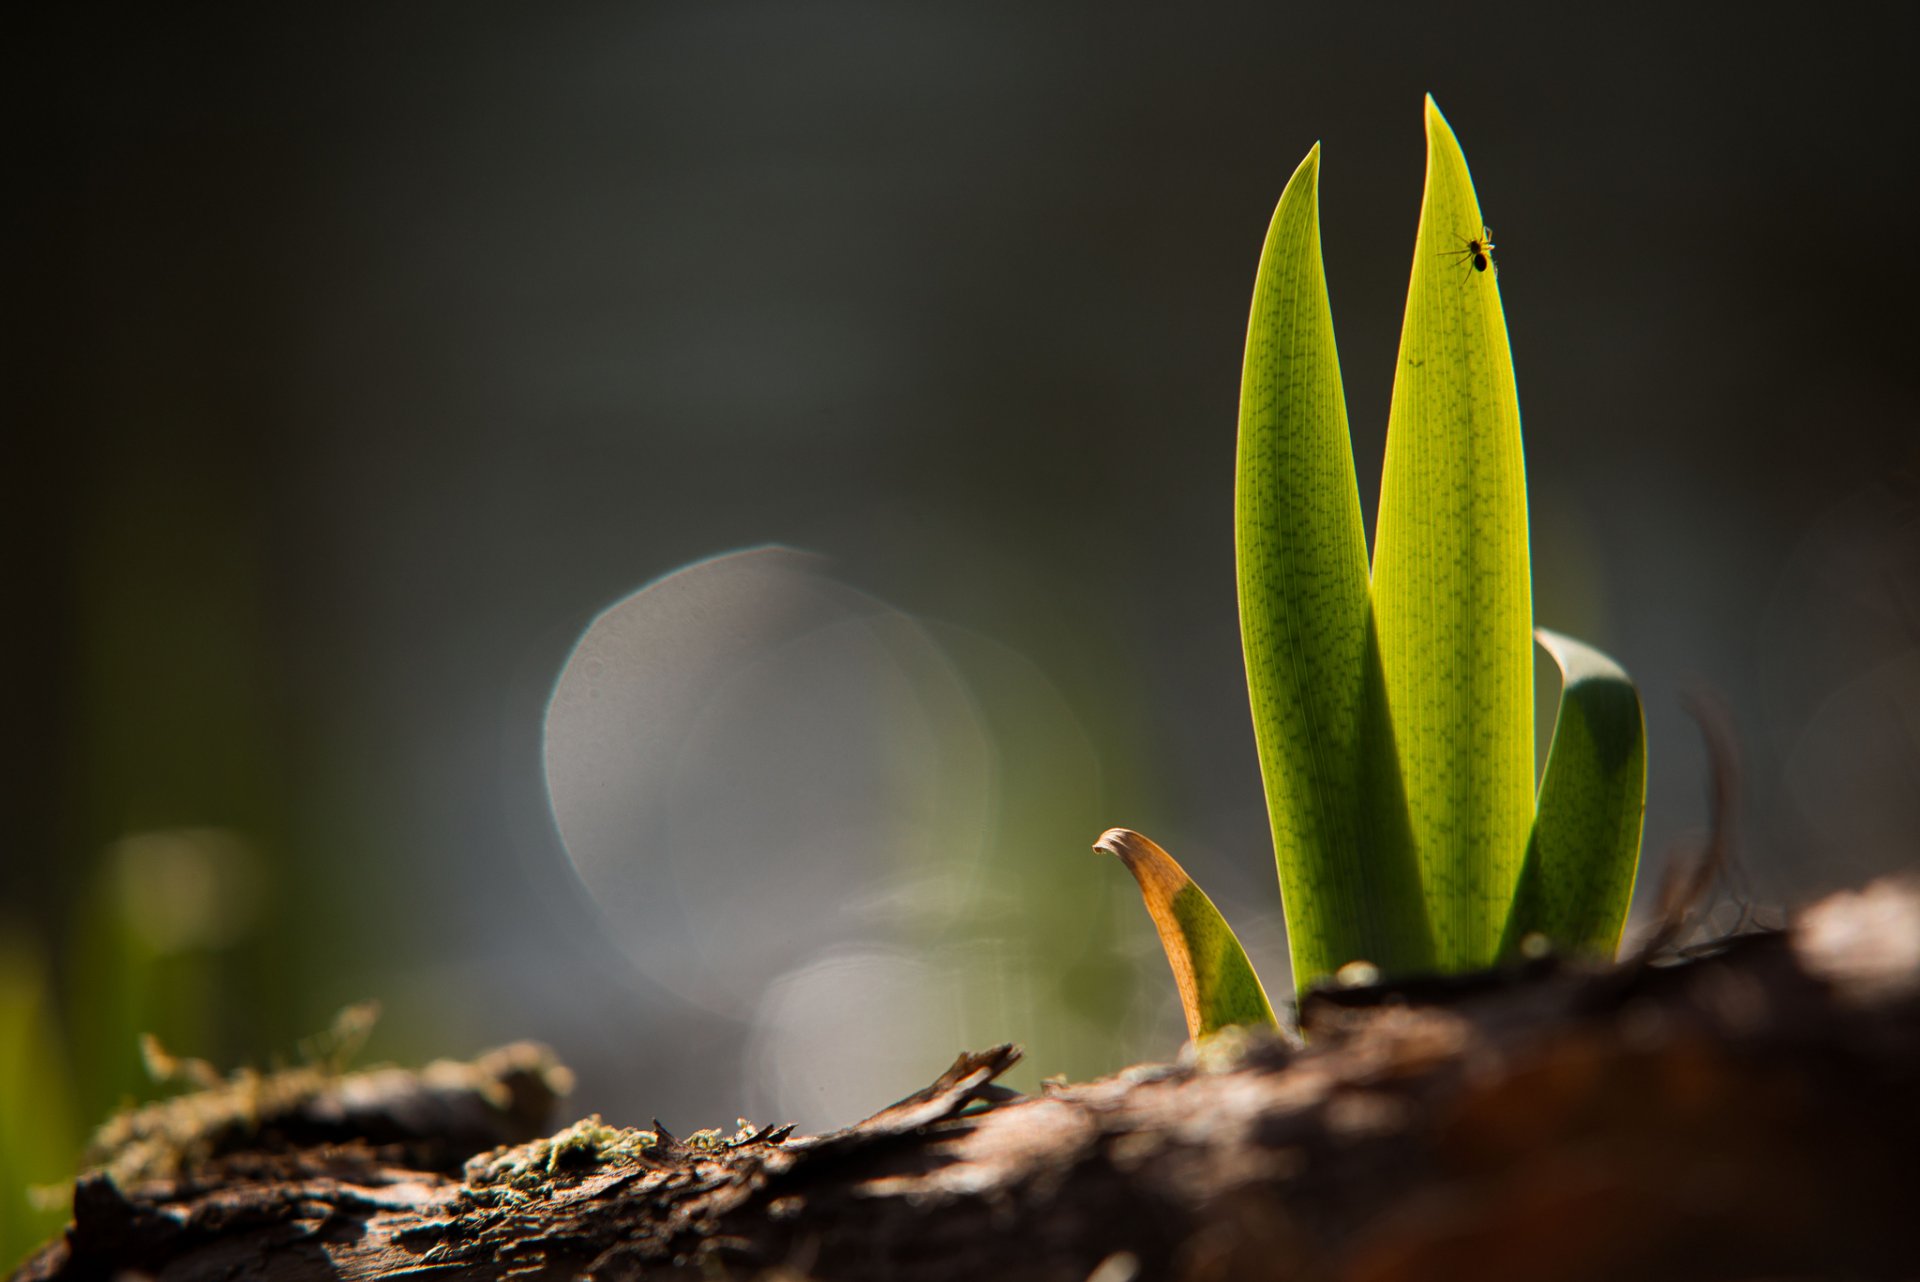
[
  {"x": 1451, "y": 597},
  {"x": 1578, "y": 876},
  {"x": 1218, "y": 986}
]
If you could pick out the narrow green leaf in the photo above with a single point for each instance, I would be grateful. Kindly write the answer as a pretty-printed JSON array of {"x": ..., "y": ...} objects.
[
  {"x": 1347, "y": 876},
  {"x": 1578, "y": 877},
  {"x": 1218, "y": 986},
  {"x": 1451, "y": 596}
]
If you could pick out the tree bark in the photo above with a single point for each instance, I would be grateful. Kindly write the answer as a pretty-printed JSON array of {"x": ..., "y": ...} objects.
[{"x": 1753, "y": 1111}]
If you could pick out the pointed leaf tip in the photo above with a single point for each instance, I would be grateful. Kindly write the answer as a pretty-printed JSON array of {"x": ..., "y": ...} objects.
[
  {"x": 1217, "y": 984},
  {"x": 1437, "y": 122},
  {"x": 1305, "y": 174}
]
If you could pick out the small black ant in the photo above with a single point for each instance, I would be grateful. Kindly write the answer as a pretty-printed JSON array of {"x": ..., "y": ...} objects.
[{"x": 1478, "y": 252}]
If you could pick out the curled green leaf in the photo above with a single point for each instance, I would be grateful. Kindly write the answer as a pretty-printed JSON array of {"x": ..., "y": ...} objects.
[
  {"x": 1218, "y": 986},
  {"x": 1578, "y": 877}
]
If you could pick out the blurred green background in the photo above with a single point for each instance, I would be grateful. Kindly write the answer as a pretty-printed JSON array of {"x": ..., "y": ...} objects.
[{"x": 363, "y": 354}]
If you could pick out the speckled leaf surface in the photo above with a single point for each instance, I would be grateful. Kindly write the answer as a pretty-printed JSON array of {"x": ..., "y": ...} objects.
[
  {"x": 1347, "y": 879},
  {"x": 1451, "y": 595}
]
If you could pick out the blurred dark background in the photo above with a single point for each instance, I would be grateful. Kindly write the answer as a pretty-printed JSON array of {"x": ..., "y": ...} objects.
[{"x": 361, "y": 355}]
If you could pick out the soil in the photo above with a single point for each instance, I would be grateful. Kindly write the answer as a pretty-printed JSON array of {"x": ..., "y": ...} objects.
[{"x": 1748, "y": 1111}]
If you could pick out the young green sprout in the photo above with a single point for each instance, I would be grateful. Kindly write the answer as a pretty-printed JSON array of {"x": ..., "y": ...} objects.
[{"x": 1392, "y": 698}]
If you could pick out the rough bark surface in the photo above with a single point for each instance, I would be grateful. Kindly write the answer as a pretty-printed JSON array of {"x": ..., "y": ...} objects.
[{"x": 1748, "y": 1113}]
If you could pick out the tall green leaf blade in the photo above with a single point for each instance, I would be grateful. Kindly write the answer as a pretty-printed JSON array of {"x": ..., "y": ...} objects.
[
  {"x": 1347, "y": 879},
  {"x": 1451, "y": 596},
  {"x": 1578, "y": 878},
  {"x": 1218, "y": 985}
]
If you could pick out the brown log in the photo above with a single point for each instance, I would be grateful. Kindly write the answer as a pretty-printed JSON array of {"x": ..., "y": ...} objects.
[{"x": 1753, "y": 1112}]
